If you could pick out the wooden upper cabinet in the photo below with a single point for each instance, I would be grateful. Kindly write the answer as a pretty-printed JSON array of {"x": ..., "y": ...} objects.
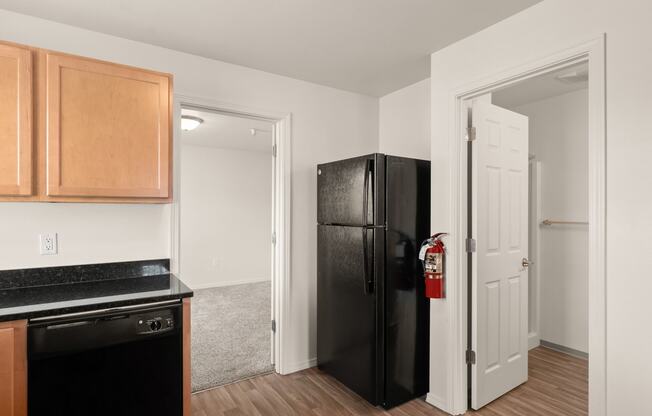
[
  {"x": 16, "y": 144},
  {"x": 74, "y": 129},
  {"x": 13, "y": 368},
  {"x": 107, "y": 129}
]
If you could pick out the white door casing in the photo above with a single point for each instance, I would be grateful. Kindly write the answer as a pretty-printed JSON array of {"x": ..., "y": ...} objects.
[
  {"x": 500, "y": 227},
  {"x": 534, "y": 301},
  {"x": 281, "y": 250}
]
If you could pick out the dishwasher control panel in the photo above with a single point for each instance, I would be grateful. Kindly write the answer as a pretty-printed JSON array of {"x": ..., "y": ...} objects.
[
  {"x": 85, "y": 331},
  {"x": 159, "y": 321}
]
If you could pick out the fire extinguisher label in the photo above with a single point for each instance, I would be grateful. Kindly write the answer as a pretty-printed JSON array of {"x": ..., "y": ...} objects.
[{"x": 434, "y": 262}]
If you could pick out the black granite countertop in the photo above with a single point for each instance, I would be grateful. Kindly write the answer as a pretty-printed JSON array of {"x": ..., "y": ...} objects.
[{"x": 30, "y": 293}]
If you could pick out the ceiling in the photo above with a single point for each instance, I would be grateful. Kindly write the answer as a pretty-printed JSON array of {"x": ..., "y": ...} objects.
[
  {"x": 368, "y": 46},
  {"x": 228, "y": 132},
  {"x": 540, "y": 88}
]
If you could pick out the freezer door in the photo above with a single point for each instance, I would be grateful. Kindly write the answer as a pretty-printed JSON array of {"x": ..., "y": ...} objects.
[
  {"x": 347, "y": 192},
  {"x": 347, "y": 336},
  {"x": 406, "y": 307}
]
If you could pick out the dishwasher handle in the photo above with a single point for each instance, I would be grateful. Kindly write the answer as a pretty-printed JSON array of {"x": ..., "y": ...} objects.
[{"x": 54, "y": 327}]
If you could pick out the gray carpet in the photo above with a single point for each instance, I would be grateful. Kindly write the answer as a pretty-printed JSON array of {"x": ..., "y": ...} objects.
[{"x": 230, "y": 334}]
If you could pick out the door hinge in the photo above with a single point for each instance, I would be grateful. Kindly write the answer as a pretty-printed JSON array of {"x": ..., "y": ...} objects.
[
  {"x": 470, "y": 134},
  {"x": 274, "y": 150},
  {"x": 273, "y": 238},
  {"x": 273, "y": 325},
  {"x": 470, "y": 357},
  {"x": 470, "y": 245}
]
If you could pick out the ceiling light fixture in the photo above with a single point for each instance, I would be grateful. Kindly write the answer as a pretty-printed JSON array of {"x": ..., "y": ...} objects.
[
  {"x": 256, "y": 131},
  {"x": 190, "y": 122},
  {"x": 573, "y": 77}
]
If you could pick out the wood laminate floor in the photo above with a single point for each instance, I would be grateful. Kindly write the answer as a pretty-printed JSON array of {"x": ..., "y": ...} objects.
[{"x": 557, "y": 386}]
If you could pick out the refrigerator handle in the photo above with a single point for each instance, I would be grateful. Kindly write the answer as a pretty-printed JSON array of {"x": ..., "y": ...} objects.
[
  {"x": 368, "y": 282},
  {"x": 365, "y": 196}
]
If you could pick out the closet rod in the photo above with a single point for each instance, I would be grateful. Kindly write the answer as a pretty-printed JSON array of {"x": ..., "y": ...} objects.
[{"x": 551, "y": 222}]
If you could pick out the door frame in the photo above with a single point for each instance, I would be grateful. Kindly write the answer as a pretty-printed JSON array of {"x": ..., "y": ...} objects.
[
  {"x": 534, "y": 213},
  {"x": 593, "y": 52},
  {"x": 281, "y": 208}
]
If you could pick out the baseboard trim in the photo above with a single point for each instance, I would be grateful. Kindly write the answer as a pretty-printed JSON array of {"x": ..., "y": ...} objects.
[
  {"x": 437, "y": 402},
  {"x": 533, "y": 340},
  {"x": 565, "y": 350},
  {"x": 229, "y": 283},
  {"x": 298, "y": 366}
]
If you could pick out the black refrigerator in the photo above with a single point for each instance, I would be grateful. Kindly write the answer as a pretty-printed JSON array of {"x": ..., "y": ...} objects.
[{"x": 373, "y": 212}]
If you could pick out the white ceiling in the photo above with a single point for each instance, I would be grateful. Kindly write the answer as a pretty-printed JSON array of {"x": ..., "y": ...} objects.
[
  {"x": 228, "y": 132},
  {"x": 368, "y": 46},
  {"x": 539, "y": 88}
]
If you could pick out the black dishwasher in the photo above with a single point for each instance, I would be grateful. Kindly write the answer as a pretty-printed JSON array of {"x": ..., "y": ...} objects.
[{"x": 124, "y": 361}]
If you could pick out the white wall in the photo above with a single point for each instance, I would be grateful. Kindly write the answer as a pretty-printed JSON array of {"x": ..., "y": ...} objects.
[
  {"x": 86, "y": 233},
  {"x": 226, "y": 216},
  {"x": 405, "y": 121},
  {"x": 548, "y": 27},
  {"x": 559, "y": 140},
  {"x": 327, "y": 124}
]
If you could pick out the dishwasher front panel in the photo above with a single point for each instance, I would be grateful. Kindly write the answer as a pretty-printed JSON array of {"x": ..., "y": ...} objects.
[{"x": 120, "y": 363}]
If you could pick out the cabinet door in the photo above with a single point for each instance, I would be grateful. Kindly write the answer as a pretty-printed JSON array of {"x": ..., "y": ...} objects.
[
  {"x": 15, "y": 121},
  {"x": 108, "y": 129},
  {"x": 13, "y": 368}
]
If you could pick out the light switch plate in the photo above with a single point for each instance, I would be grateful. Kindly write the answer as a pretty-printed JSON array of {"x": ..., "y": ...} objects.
[{"x": 49, "y": 244}]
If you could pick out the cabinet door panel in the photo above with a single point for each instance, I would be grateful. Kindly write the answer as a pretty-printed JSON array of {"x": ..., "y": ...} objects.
[
  {"x": 15, "y": 121},
  {"x": 13, "y": 368},
  {"x": 108, "y": 132},
  {"x": 6, "y": 371}
]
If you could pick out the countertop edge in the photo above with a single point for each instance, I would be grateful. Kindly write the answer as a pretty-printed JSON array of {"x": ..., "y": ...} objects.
[{"x": 40, "y": 310}]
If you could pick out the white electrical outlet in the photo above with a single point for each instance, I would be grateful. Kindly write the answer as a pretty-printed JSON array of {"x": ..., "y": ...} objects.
[{"x": 48, "y": 243}]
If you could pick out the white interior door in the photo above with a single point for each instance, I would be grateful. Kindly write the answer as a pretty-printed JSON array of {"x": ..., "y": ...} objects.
[{"x": 500, "y": 227}]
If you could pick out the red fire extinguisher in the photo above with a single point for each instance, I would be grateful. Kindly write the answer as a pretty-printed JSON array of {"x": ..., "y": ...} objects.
[{"x": 433, "y": 256}]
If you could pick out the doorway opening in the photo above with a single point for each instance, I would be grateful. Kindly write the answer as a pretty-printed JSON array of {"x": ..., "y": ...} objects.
[
  {"x": 230, "y": 229},
  {"x": 529, "y": 214},
  {"x": 556, "y": 105},
  {"x": 226, "y": 243}
]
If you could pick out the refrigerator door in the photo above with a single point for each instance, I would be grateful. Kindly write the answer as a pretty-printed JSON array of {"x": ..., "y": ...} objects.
[
  {"x": 346, "y": 192},
  {"x": 347, "y": 301},
  {"x": 406, "y": 307}
]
